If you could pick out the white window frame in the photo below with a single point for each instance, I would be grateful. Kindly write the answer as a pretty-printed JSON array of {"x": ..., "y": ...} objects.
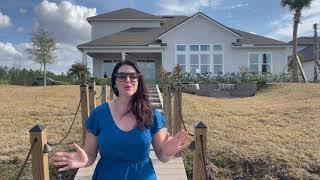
[
  {"x": 217, "y": 52},
  {"x": 260, "y": 56},
  {"x": 210, "y": 52}
]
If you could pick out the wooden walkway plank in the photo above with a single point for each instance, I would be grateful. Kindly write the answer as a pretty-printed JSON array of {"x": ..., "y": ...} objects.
[{"x": 173, "y": 170}]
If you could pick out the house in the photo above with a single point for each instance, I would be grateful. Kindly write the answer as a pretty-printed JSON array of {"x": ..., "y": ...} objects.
[
  {"x": 306, "y": 51},
  {"x": 198, "y": 43}
]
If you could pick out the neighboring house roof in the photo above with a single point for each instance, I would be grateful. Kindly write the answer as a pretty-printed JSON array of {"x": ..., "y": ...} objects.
[
  {"x": 147, "y": 36},
  {"x": 308, "y": 53},
  {"x": 304, "y": 40},
  {"x": 124, "y": 14}
]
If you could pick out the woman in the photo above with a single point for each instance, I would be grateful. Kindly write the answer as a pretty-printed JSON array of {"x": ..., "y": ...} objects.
[{"x": 123, "y": 130}]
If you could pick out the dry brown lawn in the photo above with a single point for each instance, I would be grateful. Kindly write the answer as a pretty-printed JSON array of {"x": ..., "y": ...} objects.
[
  {"x": 272, "y": 135},
  {"x": 275, "y": 134}
]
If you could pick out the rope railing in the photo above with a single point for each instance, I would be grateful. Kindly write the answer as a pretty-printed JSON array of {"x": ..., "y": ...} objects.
[
  {"x": 182, "y": 120},
  {"x": 74, "y": 118},
  {"x": 25, "y": 161},
  {"x": 203, "y": 158}
]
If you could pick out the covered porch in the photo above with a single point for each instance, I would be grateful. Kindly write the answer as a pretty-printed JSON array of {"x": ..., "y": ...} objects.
[{"x": 103, "y": 61}]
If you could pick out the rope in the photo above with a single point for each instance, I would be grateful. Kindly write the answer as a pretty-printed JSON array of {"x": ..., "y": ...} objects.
[
  {"x": 204, "y": 160},
  {"x": 184, "y": 126},
  {"x": 25, "y": 161},
  {"x": 74, "y": 118}
]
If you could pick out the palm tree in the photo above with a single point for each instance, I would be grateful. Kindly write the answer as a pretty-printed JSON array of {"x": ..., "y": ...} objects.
[
  {"x": 296, "y": 6},
  {"x": 79, "y": 70}
]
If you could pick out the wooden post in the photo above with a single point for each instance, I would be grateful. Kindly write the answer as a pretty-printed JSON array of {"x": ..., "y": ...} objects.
[
  {"x": 111, "y": 94},
  {"x": 92, "y": 95},
  {"x": 177, "y": 106},
  {"x": 198, "y": 160},
  {"x": 167, "y": 106},
  {"x": 40, "y": 160},
  {"x": 84, "y": 109},
  {"x": 104, "y": 92}
]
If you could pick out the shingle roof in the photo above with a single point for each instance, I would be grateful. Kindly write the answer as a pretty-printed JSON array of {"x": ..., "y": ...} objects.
[
  {"x": 257, "y": 40},
  {"x": 137, "y": 36},
  {"x": 126, "y": 13},
  {"x": 304, "y": 40},
  {"x": 307, "y": 53},
  {"x": 146, "y": 36}
]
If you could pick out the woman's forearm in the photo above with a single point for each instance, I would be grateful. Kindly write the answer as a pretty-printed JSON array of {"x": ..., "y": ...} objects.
[{"x": 163, "y": 157}]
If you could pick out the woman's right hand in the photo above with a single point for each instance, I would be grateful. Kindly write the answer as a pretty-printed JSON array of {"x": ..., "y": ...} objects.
[{"x": 72, "y": 160}]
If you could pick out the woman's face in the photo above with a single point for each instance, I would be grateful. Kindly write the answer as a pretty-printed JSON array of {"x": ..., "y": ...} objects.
[{"x": 127, "y": 80}]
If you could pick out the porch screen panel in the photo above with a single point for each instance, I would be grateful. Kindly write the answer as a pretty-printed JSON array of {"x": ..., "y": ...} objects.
[
  {"x": 108, "y": 66},
  {"x": 148, "y": 69}
]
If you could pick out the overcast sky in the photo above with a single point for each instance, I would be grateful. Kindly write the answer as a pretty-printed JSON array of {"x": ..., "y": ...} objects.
[{"x": 66, "y": 19}]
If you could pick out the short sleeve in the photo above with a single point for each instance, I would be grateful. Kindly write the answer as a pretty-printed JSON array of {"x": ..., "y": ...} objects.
[
  {"x": 92, "y": 124},
  {"x": 159, "y": 122}
]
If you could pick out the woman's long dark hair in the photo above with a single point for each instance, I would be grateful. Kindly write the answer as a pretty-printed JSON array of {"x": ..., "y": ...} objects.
[{"x": 139, "y": 104}]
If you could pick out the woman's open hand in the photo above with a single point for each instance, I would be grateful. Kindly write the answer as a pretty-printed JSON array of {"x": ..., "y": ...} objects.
[
  {"x": 71, "y": 160},
  {"x": 173, "y": 144}
]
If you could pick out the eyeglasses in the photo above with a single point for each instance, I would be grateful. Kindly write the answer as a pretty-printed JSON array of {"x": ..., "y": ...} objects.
[{"x": 121, "y": 77}]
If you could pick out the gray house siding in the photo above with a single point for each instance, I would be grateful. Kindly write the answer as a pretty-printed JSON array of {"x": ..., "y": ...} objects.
[
  {"x": 200, "y": 30},
  {"x": 103, "y": 28},
  {"x": 308, "y": 68}
]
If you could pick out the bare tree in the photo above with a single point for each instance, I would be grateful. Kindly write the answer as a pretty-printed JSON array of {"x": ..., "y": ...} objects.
[
  {"x": 42, "y": 50},
  {"x": 316, "y": 53},
  {"x": 296, "y": 6}
]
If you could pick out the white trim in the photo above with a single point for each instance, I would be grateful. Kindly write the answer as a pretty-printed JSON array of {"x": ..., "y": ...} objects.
[
  {"x": 205, "y": 16},
  {"x": 118, "y": 47},
  {"x": 126, "y": 50},
  {"x": 106, "y": 19},
  {"x": 254, "y": 46}
]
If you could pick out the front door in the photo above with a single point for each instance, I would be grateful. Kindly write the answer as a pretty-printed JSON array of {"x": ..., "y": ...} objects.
[{"x": 148, "y": 69}]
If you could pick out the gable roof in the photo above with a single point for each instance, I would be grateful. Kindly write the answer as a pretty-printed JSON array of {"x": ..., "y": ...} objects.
[
  {"x": 200, "y": 13},
  {"x": 124, "y": 14},
  {"x": 146, "y": 36}
]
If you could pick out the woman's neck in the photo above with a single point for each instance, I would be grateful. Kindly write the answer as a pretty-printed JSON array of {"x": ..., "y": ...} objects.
[{"x": 122, "y": 104}]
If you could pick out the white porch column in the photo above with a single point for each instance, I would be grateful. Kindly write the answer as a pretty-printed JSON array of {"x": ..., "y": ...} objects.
[
  {"x": 123, "y": 56},
  {"x": 84, "y": 58}
]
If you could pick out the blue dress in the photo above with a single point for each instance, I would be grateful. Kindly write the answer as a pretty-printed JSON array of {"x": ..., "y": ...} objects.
[{"x": 124, "y": 154}]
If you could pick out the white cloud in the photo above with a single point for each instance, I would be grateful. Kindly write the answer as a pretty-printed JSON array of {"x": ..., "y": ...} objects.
[
  {"x": 283, "y": 27},
  {"x": 23, "y": 11},
  {"x": 20, "y": 29},
  {"x": 7, "y": 50},
  {"x": 5, "y": 21},
  {"x": 185, "y": 7},
  {"x": 66, "y": 20}
]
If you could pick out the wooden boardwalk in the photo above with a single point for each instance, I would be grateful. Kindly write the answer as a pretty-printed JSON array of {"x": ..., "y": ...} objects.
[{"x": 173, "y": 170}]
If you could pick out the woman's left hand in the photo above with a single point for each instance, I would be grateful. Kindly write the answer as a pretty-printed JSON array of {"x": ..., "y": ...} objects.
[{"x": 173, "y": 144}]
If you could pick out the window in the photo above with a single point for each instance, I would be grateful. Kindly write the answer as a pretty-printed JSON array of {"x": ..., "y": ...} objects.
[
  {"x": 260, "y": 62},
  {"x": 194, "y": 63},
  {"x": 254, "y": 63},
  {"x": 266, "y": 63},
  {"x": 217, "y": 47},
  {"x": 218, "y": 63},
  {"x": 194, "y": 47},
  {"x": 204, "y": 47},
  {"x": 181, "y": 47},
  {"x": 205, "y": 63},
  {"x": 200, "y": 58},
  {"x": 181, "y": 59}
]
